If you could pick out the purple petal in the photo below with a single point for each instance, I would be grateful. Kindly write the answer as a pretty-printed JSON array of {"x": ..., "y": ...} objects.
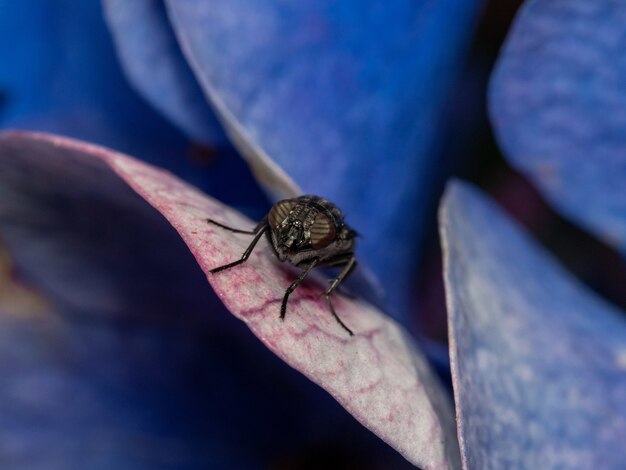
[
  {"x": 377, "y": 375},
  {"x": 155, "y": 66},
  {"x": 344, "y": 97},
  {"x": 538, "y": 361},
  {"x": 558, "y": 103}
]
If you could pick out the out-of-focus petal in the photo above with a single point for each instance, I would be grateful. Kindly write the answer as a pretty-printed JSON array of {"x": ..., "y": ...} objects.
[
  {"x": 154, "y": 64},
  {"x": 558, "y": 104},
  {"x": 342, "y": 96},
  {"x": 15, "y": 297},
  {"x": 117, "y": 355},
  {"x": 538, "y": 361},
  {"x": 59, "y": 73}
]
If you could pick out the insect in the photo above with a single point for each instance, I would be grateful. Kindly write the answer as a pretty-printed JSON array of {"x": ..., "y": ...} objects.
[{"x": 307, "y": 232}]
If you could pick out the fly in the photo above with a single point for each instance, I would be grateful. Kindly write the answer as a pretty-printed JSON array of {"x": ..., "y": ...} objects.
[{"x": 307, "y": 232}]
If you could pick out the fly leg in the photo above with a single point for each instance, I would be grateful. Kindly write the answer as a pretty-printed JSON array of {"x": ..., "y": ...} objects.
[
  {"x": 246, "y": 254},
  {"x": 234, "y": 230},
  {"x": 348, "y": 266},
  {"x": 294, "y": 284}
]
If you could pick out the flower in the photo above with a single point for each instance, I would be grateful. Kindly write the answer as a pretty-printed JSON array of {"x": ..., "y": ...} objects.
[{"x": 106, "y": 303}]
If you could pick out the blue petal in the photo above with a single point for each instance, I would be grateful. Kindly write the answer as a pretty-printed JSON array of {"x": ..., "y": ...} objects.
[
  {"x": 538, "y": 361},
  {"x": 558, "y": 103},
  {"x": 344, "y": 96},
  {"x": 155, "y": 66},
  {"x": 132, "y": 361},
  {"x": 64, "y": 78}
]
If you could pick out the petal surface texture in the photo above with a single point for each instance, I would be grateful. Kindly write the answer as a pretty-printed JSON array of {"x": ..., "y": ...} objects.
[
  {"x": 343, "y": 97},
  {"x": 558, "y": 104},
  {"x": 538, "y": 361},
  {"x": 377, "y": 375}
]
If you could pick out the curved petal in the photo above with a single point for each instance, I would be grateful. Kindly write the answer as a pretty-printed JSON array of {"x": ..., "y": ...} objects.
[
  {"x": 538, "y": 361},
  {"x": 154, "y": 64},
  {"x": 343, "y": 96},
  {"x": 377, "y": 375},
  {"x": 558, "y": 104},
  {"x": 64, "y": 77}
]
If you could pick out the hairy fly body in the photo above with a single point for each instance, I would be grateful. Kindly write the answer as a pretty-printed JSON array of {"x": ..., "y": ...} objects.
[{"x": 307, "y": 232}]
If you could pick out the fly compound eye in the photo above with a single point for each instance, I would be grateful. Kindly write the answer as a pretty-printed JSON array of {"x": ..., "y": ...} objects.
[
  {"x": 279, "y": 212},
  {"x": 322, "y": 232}
]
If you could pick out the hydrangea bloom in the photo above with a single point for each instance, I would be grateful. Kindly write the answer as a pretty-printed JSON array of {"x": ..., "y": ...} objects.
[{"x": 114, "y": 349}]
